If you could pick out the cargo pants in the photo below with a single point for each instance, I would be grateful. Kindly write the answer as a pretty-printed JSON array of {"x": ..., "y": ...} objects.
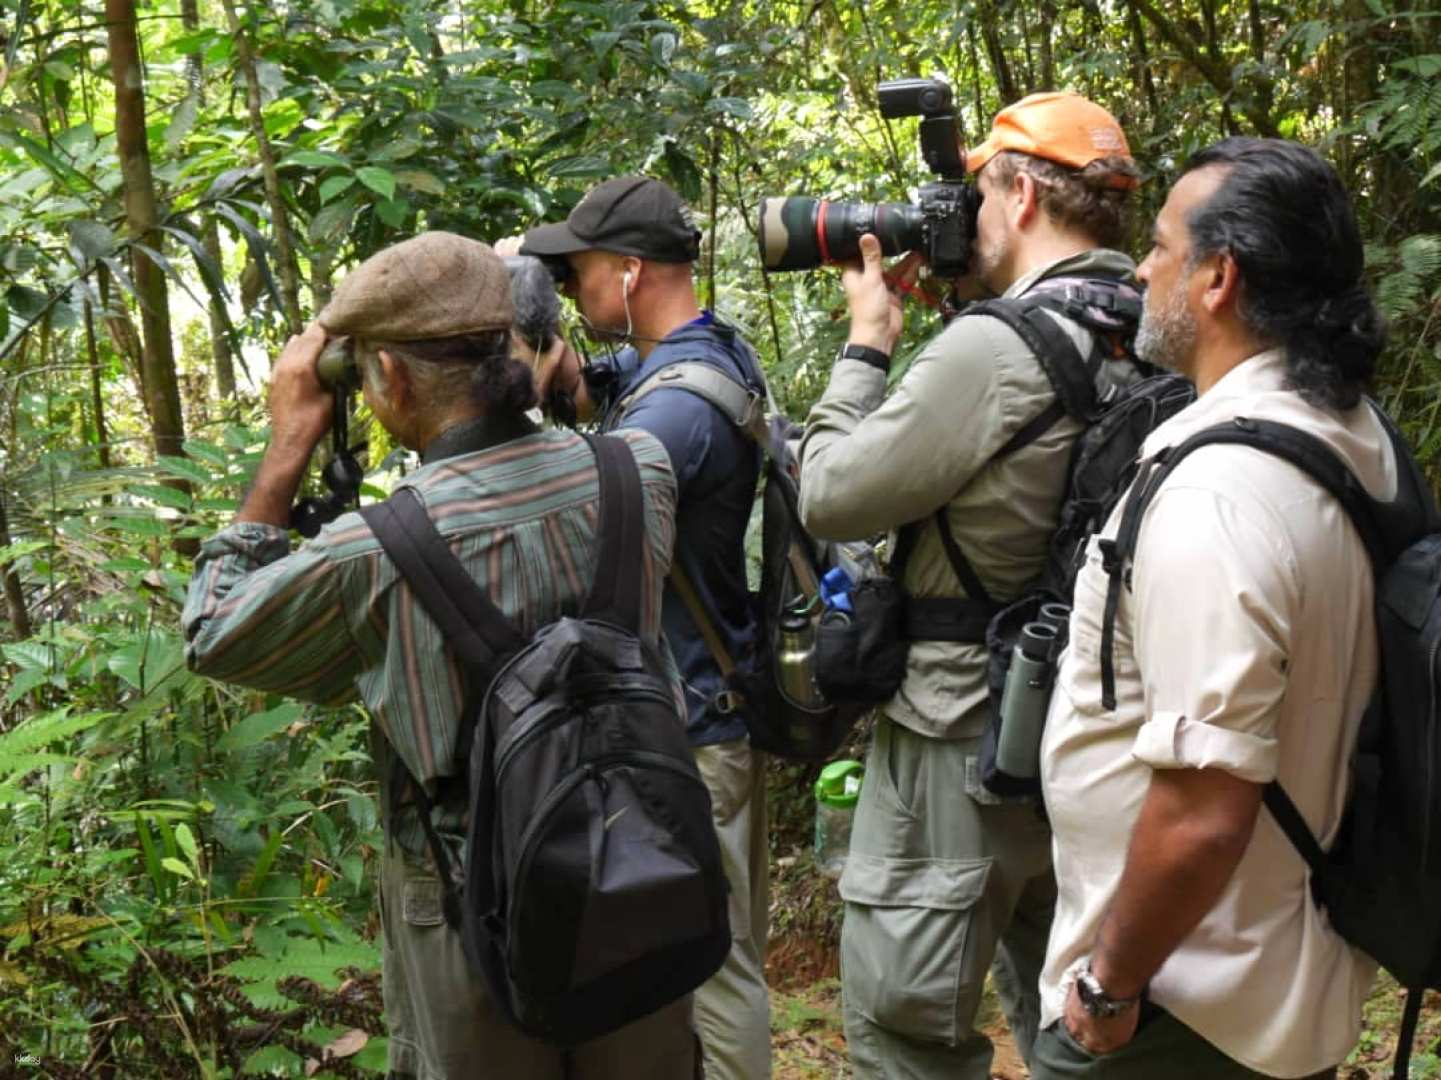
[
  {"x": 444, "y": 1025},
  {"x": 941, "y": 881},
  {"x": 732, "y": 1008}
]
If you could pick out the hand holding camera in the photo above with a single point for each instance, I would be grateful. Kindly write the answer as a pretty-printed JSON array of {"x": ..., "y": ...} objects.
[{"x": 875, "y": 296}]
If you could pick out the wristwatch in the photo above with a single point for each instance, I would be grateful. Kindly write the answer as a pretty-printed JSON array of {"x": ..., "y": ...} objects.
[
  {"x": 866, "y": 355},
  {"x": 1094, "y": 998}
]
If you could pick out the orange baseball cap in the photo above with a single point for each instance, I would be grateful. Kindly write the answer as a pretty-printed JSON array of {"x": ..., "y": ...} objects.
[{"x": 1060, "y": 127}]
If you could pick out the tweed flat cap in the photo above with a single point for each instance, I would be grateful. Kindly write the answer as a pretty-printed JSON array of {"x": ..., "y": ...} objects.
[{"x": 435, "y": 285}]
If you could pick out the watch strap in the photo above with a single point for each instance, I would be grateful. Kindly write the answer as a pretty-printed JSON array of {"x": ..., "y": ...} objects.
[
  {"x": 1094, "y": 998},
  {"x": 865, "y": 354}
]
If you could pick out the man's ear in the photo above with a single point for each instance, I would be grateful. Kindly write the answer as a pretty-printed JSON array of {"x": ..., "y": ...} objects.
[
  {"x": 1021, "y": 199},
  {"x": 1222, "y": 282},
  {"x": 397, "y": 379},
  {"x": 630, "y": 270}
]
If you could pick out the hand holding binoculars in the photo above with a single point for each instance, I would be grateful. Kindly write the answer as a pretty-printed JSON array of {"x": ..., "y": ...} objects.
[{"x": 338, "y": 372}]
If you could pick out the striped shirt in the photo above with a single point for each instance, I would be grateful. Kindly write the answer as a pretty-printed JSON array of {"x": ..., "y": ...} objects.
[{"x": 334, "y": 621}]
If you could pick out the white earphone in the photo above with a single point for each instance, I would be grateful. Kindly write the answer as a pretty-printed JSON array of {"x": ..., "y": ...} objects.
[{"x": 625, "y": 281}]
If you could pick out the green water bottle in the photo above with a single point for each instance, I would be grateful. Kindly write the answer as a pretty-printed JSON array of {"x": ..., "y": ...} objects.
[{"x": 838, "y": 789}]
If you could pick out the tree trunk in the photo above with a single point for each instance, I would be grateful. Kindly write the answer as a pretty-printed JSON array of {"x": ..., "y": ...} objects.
[
  {"x": 102, "y": 437},
  {"x": 1048, "y": 56},
  {"x": 14, "y": 594},
  {"x": 209, "y": 231},
  {"x": 1215, "y": 71},
  {"x": 161, "y": 393},
  {"x": 1141, "y": 68},
  {"x": 280, "y": 217}
]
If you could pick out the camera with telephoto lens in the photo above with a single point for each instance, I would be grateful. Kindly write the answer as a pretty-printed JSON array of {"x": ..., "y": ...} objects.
[{"x": 801, "y": 233}]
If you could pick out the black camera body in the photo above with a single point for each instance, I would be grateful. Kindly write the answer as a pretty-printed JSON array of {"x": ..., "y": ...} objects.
[{"x": 801, "y": 233}]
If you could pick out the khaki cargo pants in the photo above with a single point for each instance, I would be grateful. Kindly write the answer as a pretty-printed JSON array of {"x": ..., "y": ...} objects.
[
  {"x": 444, "y": 1025},
  {"x": 941, "y": 881},
  {"x": 732, "y": 1008}
]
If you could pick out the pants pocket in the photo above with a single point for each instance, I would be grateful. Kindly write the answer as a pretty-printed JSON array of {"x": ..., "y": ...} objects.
[{"x": 904, "y": 939}]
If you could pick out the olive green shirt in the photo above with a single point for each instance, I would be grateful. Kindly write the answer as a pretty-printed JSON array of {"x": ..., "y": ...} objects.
[{"x": 871, "y": 463}]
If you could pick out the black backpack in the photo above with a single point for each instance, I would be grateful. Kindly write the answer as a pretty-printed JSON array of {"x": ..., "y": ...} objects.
[
  {"x": 792, "y": 565},
  {"x": 1381, "y": 881},
  {"x": 592, "y": 890},
  {"x": 1103, "y": 463}
]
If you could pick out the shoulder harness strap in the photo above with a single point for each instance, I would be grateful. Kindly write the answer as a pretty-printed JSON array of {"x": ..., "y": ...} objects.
[
  {"x": 742, "y": 406},
  {"x": 1300, "y": 448}
]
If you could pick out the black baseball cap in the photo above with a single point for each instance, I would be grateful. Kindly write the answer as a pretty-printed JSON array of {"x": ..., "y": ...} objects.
[{"x": 630, "y": 215}]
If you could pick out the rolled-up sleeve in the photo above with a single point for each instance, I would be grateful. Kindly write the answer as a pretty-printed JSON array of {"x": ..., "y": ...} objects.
[{"x": 1216, "y": 597}]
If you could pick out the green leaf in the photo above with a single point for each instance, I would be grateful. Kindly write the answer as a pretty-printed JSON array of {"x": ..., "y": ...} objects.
[
  {"x": 166, "y": 496},
  {"x": 330, "y": 223},
  {"x": 731, "y": 106},
  {"x": 256, "y": 729},
  {"x": 316, "y": 159},
  {"x": 184, "y": 468},
  {"x": 185, "y": 839},
  {"x": 117, "y": 566},
  {"x": 175, "y": 866},
  {"x": 206, "y": 452},
  {"x": 662, "y": 48},
  {"x": 26, "y": 302},
  {"x": 582, "y": 166},
  {"x": 381, "y": 181},
  {"x": 30, "y": 654},
  {"x": 145, "y": 663},
  {"x": 11, "y": 552},
  {"x": 93, "y": 239},
  {"x": 183, "y": 120},
  {"x": 393, "y": 212},
  {"x": 420, "y": 180},
  {"x": 332, "y": 186}
]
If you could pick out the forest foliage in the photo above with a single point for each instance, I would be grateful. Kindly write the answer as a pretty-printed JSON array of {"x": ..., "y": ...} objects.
[{"x": 185, "y": 881}]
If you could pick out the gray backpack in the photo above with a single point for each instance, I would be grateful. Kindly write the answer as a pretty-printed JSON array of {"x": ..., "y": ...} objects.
[{"x": 592, "y": 892}]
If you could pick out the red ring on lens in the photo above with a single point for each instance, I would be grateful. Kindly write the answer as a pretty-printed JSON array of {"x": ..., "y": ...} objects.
[{"x": 821, "y": 230}]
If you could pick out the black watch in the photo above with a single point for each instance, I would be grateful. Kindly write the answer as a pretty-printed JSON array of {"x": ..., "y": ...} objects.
[
  {"x": 866, "y": 355},
  {"x": 1096, "y": 1001}
]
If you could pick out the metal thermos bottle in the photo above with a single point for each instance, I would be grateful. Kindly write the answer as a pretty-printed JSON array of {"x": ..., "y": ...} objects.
[
  {"x": 796, "y": 660},
  {"x": 1024, "y": 702}
]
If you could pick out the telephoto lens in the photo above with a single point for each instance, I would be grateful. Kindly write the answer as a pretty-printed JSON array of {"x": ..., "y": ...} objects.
[
  {"x": 1024, "y": 702},
  {"x": 802, "y": 233}
]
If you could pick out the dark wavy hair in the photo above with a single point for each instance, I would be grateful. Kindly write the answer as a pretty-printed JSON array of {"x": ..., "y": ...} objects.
[{"x": 1282, "y": 213}]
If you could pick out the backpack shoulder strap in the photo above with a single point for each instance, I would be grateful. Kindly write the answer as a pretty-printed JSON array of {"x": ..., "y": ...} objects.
[
  {"x": 1070, "y": 375},
  {"x": 616, "y": 589},
  {"x": 478, "y": 631},
  {"x": 742, "y": 406},
  {"x": 1300, "y": 448}
]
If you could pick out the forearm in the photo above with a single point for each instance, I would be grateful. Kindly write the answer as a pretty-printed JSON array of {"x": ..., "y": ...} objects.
[
  {"x": 1192, "y": 831},
  {"x": 276, "y": 482}
]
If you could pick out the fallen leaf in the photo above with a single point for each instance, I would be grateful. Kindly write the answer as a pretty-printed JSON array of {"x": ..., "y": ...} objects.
[{"x": 352, "y": 1042}]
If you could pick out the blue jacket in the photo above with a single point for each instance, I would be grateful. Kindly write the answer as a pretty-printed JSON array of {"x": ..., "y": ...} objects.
[{"x": 716, "y": 470}]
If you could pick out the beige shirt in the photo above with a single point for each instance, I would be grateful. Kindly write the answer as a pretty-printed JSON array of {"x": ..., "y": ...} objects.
[
  {"x": 871, "y": 462},
  {"x": 1248, "y": 644}
]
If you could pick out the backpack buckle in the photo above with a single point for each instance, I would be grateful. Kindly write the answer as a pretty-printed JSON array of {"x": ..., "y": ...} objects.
[
  {"x": 728, "y": 702},
  {"x": 1110, "y": 557}
]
